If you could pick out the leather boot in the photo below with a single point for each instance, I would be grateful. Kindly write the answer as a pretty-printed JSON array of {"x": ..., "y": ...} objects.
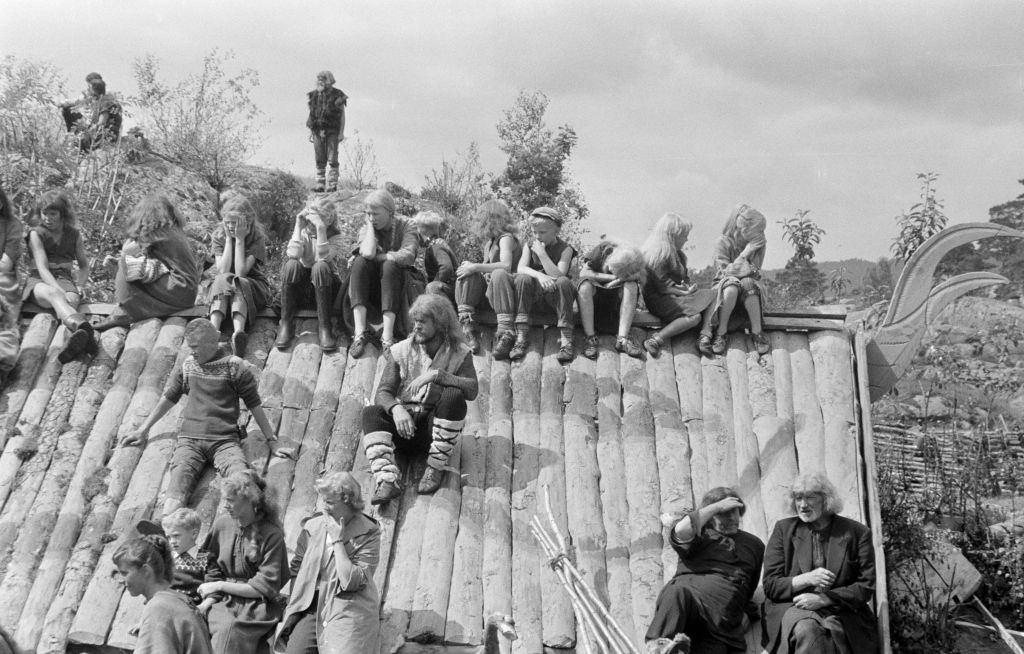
[
  {"x": 324, "y": 303},
  {"x": 286, "y": 328},
  {"x": 79, "y": 339}
]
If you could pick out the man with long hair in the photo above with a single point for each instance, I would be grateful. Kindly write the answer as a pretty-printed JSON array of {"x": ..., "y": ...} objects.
[
  {"x": 326, "y": 125},
  {"x": 421, "y": 399}
]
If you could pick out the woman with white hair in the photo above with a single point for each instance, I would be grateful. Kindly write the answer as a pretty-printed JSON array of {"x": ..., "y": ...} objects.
[
  {"x": 334, "y": 604},
  {"x": 819, "y": 577}
]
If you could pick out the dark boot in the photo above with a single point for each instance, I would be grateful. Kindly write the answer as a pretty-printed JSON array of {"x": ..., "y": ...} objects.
[
  {"x": 286, "y": 328},
  {"x": 239, "y": 341},
  {"x": 80, "y": 337},
  {"x": 324, "y": 302}
]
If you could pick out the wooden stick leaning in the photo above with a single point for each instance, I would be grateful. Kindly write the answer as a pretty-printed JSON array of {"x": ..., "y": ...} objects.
[{"x": 578, "y": 608}]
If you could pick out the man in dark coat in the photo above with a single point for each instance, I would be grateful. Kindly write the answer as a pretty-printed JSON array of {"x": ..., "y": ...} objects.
[
  {"x": 819, "y": 577},
  {"x": 326, "y": 125}
]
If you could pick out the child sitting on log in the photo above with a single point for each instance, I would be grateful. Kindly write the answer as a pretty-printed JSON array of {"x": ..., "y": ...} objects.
[
  {"x": 438, "y": 259},
  {"x": 214, "y": 381},
  {"x": 11, "y": 238},
  {"x": 609, "y": 287},
  {"x": 543, "y": 276},
  {"x": 55, "y": 246},
  {"x": 739, "y": 255}
]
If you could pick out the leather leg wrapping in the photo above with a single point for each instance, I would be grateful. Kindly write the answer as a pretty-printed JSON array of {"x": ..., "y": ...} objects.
[
  {"x": 380, "y": 452},
  {"x": 443, "y": 436}
]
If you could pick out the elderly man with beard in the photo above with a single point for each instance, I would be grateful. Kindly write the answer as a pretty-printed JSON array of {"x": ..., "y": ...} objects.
[
  {"x": 421, "y": 399},
  {"x": 702, "y": 608}
]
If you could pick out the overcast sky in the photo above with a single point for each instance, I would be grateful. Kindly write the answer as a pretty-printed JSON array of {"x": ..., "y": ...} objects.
[{"x": 679, "y": 106}]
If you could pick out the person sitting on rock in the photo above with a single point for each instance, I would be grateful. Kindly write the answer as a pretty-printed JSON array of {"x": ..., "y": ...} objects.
[
  {"x": 668, "y": 294},
  {"x": 705, "y": 603},
  {"x": 542, "y": 276},
  {"x": 104, "y": 114},
  {"x": 438, "y": 259},
  {"x": 326, "y": 124},
  {"x": 819, "y": 577},
  {"x": 11, "y": 240},
  {"x": 241, "y": 288},
  {"x": 314, "y": 267},
  {"x": 383, "y": 265},
  {"x": 55, "y": 246},
  {"x": 475, "y": 285},
  {"x": 214, "y": 381},
  {"x": 421, "y": 398},
  {"x": 157, "y": 273},
  {"x": 609, "y": 287},
  {"x": 739, "y": 255}
]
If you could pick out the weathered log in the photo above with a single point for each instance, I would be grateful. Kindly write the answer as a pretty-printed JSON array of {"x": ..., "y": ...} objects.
[
  {"x": 810, "y": 442},
  {"x": 673, "y": 448},
  {"x": 137, "y": 346},
  {"x": 719, "y": 433},
  {"x": 614, "y": 506},
  {"x": 271, "y": 389},
  {"x": 643, "y": 492},
  {"x": 401, "y": 581},
  {"x": 33, "y": 536},
  {"x": 33, "y": 471},
  {"x": 54, "y": 636},
  {"x": 496, "y": 573},
  {"x": 433, "y": 583},
  {"x": 31, "y": 357},
  {"x": 747, "y": 467},
  {"x": 558, "y": 628},
  {"x": 526, "y": 598},
  {"x": 26, "y": 442},
  {"x": 689, "y": 374},
  {"x": 833, "y": 373},
  {"x": 582, "y": 475},
  {"x": 464, "y": 621},
  {"x": 99, "y": 604}
]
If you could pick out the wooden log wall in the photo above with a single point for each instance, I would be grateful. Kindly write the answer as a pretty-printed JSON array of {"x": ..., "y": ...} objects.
[{"x": 613, "y": 442}]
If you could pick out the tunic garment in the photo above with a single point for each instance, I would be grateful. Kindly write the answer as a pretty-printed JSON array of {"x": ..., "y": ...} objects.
[
  {"x": 726, "y": 251},
  {"x": 255, "y": 555},
  {"x": 471, "y": 290},
  {"x": 720, "y": 574},
  {"x": 346, "y": 611},
  {"x": 665, "y": 305},
  {"x": 254, "y": 287},
  {"x": 849, "y": 554},
  {"x": 61, "y": 253},
  {"x": 170, "y": 293},
  {"x": 171, "y": 625}
]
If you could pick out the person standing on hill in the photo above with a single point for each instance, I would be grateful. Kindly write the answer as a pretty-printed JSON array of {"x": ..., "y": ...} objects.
[{"x": 326, "y": 125}]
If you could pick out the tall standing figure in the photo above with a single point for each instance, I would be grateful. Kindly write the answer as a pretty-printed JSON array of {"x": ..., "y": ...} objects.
[
  {"x": 819, "y": 577},
  {"x": 739, "y": 255},
  {"x": 326, "y": 125},
  {"x": 157, "y": 273},
  {"x": 241, "y": 287},
  {"x": 421, "y": 398}
]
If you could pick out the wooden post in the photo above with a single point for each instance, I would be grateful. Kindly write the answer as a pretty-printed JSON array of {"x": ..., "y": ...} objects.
[
  {"x": 719, "y": 432},
  {"x": 496, "y": 573},
  {"x": 82, "y": 563},
  {"x": 527, "y": 604},
  {"x": 833, "y": 371},
  {"x": 35, "y": 532},
  {"x": 582, "y": 475},
  {"x": 748, "y": 469},
  {"x": 405, "y": 561},
  {"x": 34, "y": 345},
  {"x": 673, "y": 448},
  {"x": 643, "y": 493},
  {"x": 271, "y": 389},
  {"x": 137, "y": 347},
  {"x": 464, "y": 620},
  {"x": 689, "y": 387},
  {"x": 558, "y": 627},
  {"x": 810, "y": 441},
  {"x": 614, "y": 506}
]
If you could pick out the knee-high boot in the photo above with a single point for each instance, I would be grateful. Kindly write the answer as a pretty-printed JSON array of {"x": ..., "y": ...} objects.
[
  {"x": 80, "y": 337},
  {"x": 380, "y": 452},
  {"x": 286, "y": 328},
  {"x": 444, "y": 433},
  {"x": 324, "y": 302}
]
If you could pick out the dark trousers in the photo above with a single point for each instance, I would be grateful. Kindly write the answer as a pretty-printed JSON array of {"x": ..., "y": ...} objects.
[
  {"x": 305, "y": 280},
  {"x": 325, "y": 150},
  {"x": 498, "y": 289},
  {"x": 190, "y": 457},
  {"x": 376, "y": 283},
  {"x": 450, "y": 406},
  {"x": 302, "y": 639},
  {"x": 528, "y": 292},
  {"x": 677, "y": 612}
]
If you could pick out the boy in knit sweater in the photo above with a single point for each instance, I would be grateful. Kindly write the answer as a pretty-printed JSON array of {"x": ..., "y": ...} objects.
[{"x": 214, "y": 380}]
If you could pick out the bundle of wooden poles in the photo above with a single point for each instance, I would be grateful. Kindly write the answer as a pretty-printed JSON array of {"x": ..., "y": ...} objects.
[{"x": 597, "y": 630}]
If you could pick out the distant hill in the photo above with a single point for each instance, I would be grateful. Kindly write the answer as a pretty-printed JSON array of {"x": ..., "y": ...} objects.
[{"x": 855, "y": 269}]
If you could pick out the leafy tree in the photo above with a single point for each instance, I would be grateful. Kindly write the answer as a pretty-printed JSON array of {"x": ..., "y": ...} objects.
[
  {"x": 360, "y": 162},
  {"x": 880, "y": 280},
  {"x": 460, "y": 185},
  {"x": 536, "y": 172},
  {"x": 924, "y": 219},
  {"x": 206, "y": 123},
  {"x": 801, "y": 283}
]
